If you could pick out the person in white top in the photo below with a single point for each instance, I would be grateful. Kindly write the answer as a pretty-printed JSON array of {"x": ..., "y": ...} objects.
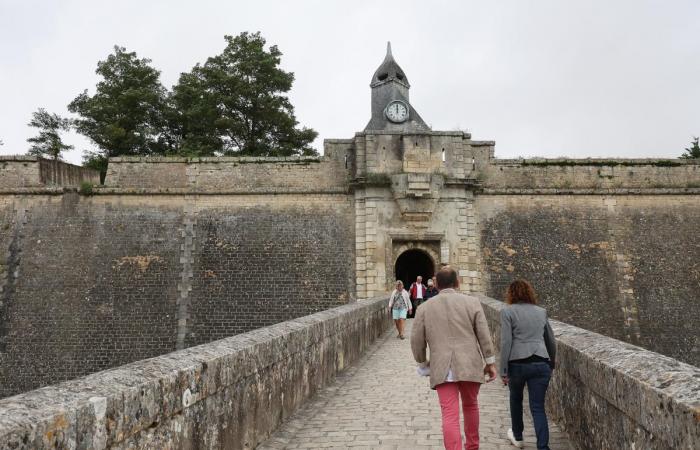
[{"x": 399, "y": 305}]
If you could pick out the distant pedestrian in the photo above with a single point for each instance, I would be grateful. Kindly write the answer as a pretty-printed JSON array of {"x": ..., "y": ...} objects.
[
  {"x": 417, "y": 292},
  {"x": 400, "y": 306},
  {"x": 454, "y": 327},
  {"x": 528, "y": 352},
  {"x": 431, "y": 290}
]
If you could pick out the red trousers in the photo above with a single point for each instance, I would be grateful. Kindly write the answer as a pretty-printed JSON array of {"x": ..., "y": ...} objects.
[{"x": 449, "y": 394}]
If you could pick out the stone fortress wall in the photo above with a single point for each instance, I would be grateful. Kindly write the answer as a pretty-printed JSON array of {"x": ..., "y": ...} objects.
[
  {"x": 89, "y": 282},
  {"x": 171, "y": 253}
]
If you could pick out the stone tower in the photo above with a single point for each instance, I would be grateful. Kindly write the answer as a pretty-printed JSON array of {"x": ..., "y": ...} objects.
[
  {"x": 391, "y": 108},
  {"x": 413, "y": 190}
]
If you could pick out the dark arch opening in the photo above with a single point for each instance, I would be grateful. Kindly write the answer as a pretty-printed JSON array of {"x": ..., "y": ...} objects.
[{"x": 413, "y": 263}]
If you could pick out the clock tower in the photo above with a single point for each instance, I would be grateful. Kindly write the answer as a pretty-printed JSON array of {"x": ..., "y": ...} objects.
[
  {"x": 413, "y": 191},
  {"x": 391, "y": 109}
]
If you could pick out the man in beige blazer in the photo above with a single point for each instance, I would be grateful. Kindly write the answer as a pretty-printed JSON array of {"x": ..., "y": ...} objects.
[{"x": 453, "y": 325}]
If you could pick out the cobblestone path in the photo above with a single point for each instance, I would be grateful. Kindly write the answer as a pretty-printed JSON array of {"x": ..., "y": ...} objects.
[{"x": 380, "y": 403}]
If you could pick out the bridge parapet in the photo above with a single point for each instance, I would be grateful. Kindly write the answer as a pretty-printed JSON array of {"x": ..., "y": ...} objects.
[
  {"x": 230, "y": 393},
  {"x": 609, "y": 394}
]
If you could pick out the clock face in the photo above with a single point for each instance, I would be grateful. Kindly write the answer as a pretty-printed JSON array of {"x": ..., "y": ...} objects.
[{"x": 397, "y": 111}]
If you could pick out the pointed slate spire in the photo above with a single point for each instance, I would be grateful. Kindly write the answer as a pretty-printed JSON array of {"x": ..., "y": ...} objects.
[{"x": 389, "y": 70}]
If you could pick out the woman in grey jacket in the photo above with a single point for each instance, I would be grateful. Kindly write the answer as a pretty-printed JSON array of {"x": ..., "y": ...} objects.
[{"x": 528, "y": 352}]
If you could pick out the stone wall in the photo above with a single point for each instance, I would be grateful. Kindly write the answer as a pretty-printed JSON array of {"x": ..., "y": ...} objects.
[
  {"x": 590, "y": 173},
  {"x": 229, "y": 174},
  {"x": 611, "y": 395},
  {"x": 260, "y": 261},
  {"x": 624, "y": 266},
  {"x": 228, "y": 394},
  {"x": 17, "y": 172},
  {"x": 93, "y": 282}
]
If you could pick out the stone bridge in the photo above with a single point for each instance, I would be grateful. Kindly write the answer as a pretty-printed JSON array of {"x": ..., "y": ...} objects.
[{"x": 324, "y": 381}]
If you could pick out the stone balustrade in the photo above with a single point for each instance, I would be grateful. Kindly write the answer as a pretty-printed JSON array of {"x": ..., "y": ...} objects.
[
  {"x": 612, "y": 395},
  {"x": 230, "y": 393}
]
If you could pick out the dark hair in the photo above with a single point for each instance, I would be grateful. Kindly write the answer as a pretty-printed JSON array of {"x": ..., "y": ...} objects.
[
  {"x": 446, "y": 278},
  {"x": 521, "y": 291}
]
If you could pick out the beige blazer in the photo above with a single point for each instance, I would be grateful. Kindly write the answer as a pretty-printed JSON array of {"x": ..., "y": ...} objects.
[{"x": 453, "y": 325}]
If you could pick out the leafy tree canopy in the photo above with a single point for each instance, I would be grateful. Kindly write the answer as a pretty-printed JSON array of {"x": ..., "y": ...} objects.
[
  {"x": 693, "y": 151},
  {"x": 48, "y": 142},
  {"x": 236, "y": 104},
  {"x": 126, "y": 114}
]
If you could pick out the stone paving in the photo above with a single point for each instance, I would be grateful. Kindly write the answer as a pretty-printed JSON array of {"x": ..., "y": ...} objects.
[{"x": 380, "y": 403}]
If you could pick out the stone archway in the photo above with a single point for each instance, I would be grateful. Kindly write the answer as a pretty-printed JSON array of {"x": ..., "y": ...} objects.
[{"x": 412, "y": 263}]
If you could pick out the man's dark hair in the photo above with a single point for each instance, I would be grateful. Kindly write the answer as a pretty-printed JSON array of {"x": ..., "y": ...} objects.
[{"x": 446, "y": 277}]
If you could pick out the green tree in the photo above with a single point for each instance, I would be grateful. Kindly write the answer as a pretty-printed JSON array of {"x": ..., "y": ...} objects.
[
  {"x": 126, "y": 116},
  {"x": 48, "y": 142},
  {"x": 96, "y": 160},
  {"x": 693, "y": 151},
  {"x": 236, "y": 104}
]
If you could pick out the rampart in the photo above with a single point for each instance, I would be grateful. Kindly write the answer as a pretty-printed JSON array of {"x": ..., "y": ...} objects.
[
  {"x": 17, "y": 172},
  {"x": 176, "y": 252},
  {"x": 229, "y": 394},
  {"x": 233, "y": 175},
  {"x": 92, "y": 282},
  {"x": 608, "y": 394},
  {"x": 624, "y": 265},
  {"x": 540, "y": 175}
]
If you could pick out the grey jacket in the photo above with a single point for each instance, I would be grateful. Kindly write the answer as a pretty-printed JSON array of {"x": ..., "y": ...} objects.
[{"x": 525, "y": 331}]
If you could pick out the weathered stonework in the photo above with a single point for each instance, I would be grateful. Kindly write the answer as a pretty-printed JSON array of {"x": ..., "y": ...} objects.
[
  {"x": 611, "y": 395},
  {"x": 229, "y": 174},
  {"x": 228, "y": 394},
  {"x": 92, "y": 282},
  {"x": 625, "y": 266},
  {"x": 31, "y": 171}
]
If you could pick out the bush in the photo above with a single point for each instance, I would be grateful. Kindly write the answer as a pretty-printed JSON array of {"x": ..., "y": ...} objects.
[{"x": 86, "y": 188}]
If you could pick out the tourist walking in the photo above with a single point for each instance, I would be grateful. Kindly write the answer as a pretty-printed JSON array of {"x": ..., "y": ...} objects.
[
  {"x": 417, "y": 292},
  {"x": 454, "y": 327},
  {"x": 528, "y": 352},
  {"x": 431, "y": 291},
  {"x": 400, "y": 306}
]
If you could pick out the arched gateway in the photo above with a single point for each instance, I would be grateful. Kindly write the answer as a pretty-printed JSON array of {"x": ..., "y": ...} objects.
[{"x": 412, "y": 263}]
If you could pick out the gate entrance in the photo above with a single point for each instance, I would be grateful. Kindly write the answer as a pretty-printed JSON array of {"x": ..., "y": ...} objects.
[{"x": 413, "y": 263}]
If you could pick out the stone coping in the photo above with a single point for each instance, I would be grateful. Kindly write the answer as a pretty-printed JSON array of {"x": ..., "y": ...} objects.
[
  {"x": 27, "y": 158},
  {"x": 657, "y": 393},
  {"x": 564, "y": 162},
  {"x": 104, "y": 190},
  {"x": 39, "y": 190},
  {"x": 158, "y": 396},
  {"x": 100, "y": 190},
  {"x": 218, "y": 159},
  {"x": 30, "y": 158},
  {"x": 591, "y": 191},
  {"x": 34, "y": 159}
]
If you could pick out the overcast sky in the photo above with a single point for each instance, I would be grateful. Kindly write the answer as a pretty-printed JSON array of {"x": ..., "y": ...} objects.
[{"x": 596, "y": 78}]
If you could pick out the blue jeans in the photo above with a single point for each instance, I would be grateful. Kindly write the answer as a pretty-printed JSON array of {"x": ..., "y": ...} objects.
[{"x": 536, "y": 375}]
